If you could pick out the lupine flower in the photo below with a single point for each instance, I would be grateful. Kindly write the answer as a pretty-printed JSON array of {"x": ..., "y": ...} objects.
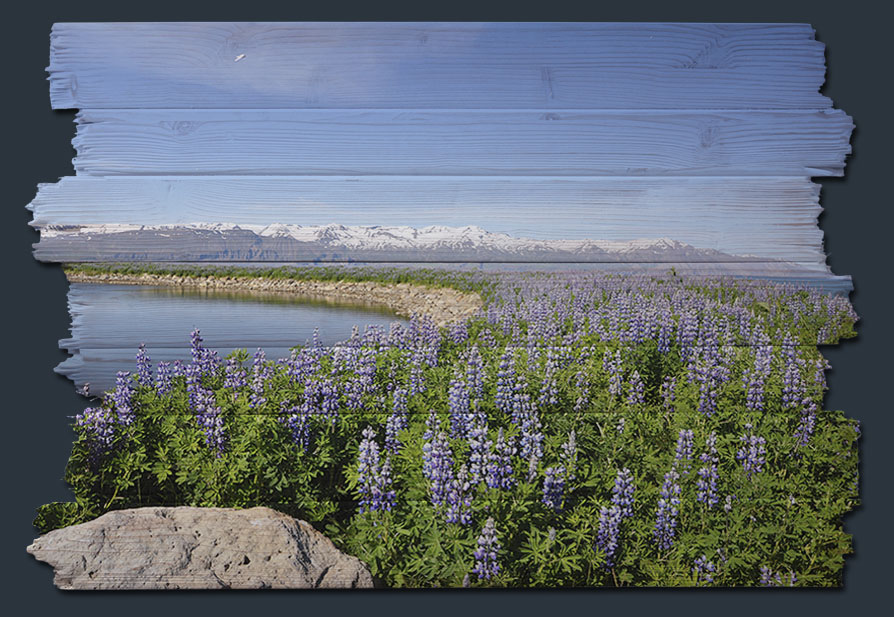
[
  {"x": 668, "y": 392},
  {"x": 612, "y": 365},
  {"x": 397, "y": 421},
  {"x": 261, "y": 373},
  {"x": 554, "y": 487},
  {"x": 581, "y": 382},
  {"x": 636, "y": 392},
  {"x": 531, "y": 445},
  {"x": 163, "y": 379},
  {"x": 122, "y": 396},
  {"x": 458, "y": 402},
  {"x": 486, "y": 555},
  {"x": 437, "y": 467},
  {"x": 622, "y": 492},
  {"x": 505, "y": 382},
  {"x": 609, "y": 533},
  {"x": 532, "y": 468},
  {"x": 209, "y": 417},
  {"x": 373, "y": 476},
  {"x": 706, "y": 485},
  {"x": 475, "y": 373},
  {"x": 728, "y": 503},
  {"x": 548, "y": 389},
  {"x": 807, "y": 424},
  {"x": 459, "y": 499},
  {"x": 704, "y": 571},
  {"x": 235, "y": 376},
  {"x": 144, "y": 367},
  {"x": 752, "y": 454},
  {"x": 683, "y": 451},
  {"x": 479, "y": 449},
  {"x": 668, "y": 502},
  {"x": 769, "y": 578},
  {"x": 499, "y": 464},
  {"x": 619, "y": 427},
  {"x": 297, "y": 420},
  {"x": 98, "y": 424}
]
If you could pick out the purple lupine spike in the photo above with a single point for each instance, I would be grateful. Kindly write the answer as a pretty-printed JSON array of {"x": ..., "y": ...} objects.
[
  {"x": 666, "y": 518},
  {"x": 122, "y": 398},
  {"x": 458, "y": 401},
  {"x": 770, "y": 578},
  {"x": 753, "y": 452},
  {"x": 235, "y": 376},
  {"x": 636, "y": 392},
  {"x": 486, "y": 555},
  {"x": 209, "y": 417},
  {"x": 609, "y": 533},
  {"x": 397, "y": 420},
  {"x": 459, "y": 499},
  {"x": 479, "y": 452},
  {"x": 533, "y": 464},
  {"x": 459, "y": 333},
  {"x": 703, "y": 570},
  {"x": 668, "y": 392},
  {"x": 531, "y": 443},
  {"x": 499, "y": 465},
  {"x": 613, "y": 366},
  {"x": 437, "y": 467},
  {"x": 98, "y": 424},
  {"x": 554, "y": 488},
  {"x": 373, "y": 476},
  {"x": 683, "y": 451},
  {"x": 807, "y": 424},
  {"x": 144, "y": 367},
  {"x": 475, "y": 373},
  {"x": 505, "y": 381},
  {"x": 582, "y": 384},
  {"x": 163, "y": 379},
  {"x": 260, "y": 374},
  {"x": 621, "y": 425},
  {"x": 548, "y": 388},
  {"x": 623, "y": 492},
  {"x": 706, "y": 485},
  {"x": 197, "y": 352},
  {"x": 297, "y": 420}
]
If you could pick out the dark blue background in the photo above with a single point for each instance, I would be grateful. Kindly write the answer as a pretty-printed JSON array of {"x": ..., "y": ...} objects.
[{"x": 35, "y": 438}]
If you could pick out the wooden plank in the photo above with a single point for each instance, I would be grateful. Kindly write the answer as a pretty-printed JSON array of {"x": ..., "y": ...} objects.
[
  {"x": 763, "y": 218},
  {"x": 470, "y": 142},
  {"x": 436, "y": 66}
]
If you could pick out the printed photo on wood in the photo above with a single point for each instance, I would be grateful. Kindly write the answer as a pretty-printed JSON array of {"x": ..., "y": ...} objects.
[{"x": 448, "y": 305}]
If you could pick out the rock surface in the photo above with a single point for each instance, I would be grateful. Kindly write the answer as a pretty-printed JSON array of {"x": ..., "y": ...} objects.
[{"x": 197, "y": 548}]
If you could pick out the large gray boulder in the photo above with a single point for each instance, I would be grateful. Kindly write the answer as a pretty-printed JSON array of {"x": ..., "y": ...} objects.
[{"x": 196, "y": 548}]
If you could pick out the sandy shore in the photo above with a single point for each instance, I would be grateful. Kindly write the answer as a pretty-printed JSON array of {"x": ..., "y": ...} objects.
[{"x": 442, "y": 304}]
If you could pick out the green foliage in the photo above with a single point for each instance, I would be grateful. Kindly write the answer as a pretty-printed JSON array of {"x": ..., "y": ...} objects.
[{"x": 786, "y": 517}]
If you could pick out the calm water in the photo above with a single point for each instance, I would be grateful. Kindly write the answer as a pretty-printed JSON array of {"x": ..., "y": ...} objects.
[{"x": 110, "y": 321}]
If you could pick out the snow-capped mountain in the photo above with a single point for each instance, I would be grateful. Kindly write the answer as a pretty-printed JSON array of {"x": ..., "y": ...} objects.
[{"x": 335, "y": 242}]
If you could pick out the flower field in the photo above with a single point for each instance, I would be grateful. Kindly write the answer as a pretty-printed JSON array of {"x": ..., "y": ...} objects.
[{"x": 582, "y": 430}]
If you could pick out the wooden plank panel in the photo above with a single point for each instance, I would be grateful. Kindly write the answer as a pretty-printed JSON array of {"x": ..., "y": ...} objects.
[
  {"x": 471, "y": 142},
  {"x": 762, "y": 218},
  {"x": 436, "y": 66}
]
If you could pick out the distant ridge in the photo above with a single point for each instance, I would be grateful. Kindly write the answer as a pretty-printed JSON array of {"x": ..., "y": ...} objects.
[{"x": 335, "y": 242}]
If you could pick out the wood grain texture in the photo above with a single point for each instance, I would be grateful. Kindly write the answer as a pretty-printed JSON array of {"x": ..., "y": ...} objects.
[
  {"x": 436, "y": 66},
  {"x": 470, "y": 142},
  {"x": 770, "y": 218}
]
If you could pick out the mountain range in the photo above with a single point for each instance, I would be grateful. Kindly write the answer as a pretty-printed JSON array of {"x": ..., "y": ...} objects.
[{"x": 334, "y": 242}]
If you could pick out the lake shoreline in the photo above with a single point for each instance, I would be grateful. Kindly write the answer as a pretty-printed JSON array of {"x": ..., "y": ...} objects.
[{"x": 443, "y": 304}]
